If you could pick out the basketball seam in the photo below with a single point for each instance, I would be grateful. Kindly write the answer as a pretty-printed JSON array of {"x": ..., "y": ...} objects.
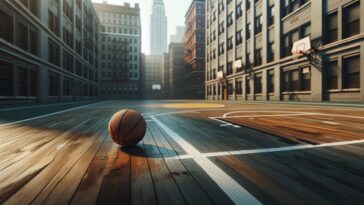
[
  {"x": 120, "y": 125},
  {"x": 132, "y": 129}
]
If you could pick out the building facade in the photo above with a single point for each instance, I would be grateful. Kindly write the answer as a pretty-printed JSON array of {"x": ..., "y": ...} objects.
[
  {"x": 152, "y": 81},
  {"x": 195, "y": 51},
  {"x": 48, "y": 50},
  {"x": 158, "y": 29},
  {"x": 176, "y": 71},
  {"x": 120, "y": 50},
  {"x": 251, "y": 42}
]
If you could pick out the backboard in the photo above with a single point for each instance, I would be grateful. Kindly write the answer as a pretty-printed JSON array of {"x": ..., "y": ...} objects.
[
  {"x": 220, "y": 75},
  {"x": 301, "y": 47}
]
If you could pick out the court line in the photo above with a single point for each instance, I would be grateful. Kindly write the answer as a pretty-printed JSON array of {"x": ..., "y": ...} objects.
[
  {"x": 46, "y": 115},
  {"x": 234, "y": 190},
  {"x": 268, "y": 150}
]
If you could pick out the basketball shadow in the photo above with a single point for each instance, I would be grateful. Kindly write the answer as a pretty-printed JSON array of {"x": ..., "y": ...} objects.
[{"x": 148, "y": 151}]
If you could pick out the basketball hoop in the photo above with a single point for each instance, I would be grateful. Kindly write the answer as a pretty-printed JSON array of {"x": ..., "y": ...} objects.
[
  {"x": 301, "y": 47},
  {"x": 297, "y": 54}
]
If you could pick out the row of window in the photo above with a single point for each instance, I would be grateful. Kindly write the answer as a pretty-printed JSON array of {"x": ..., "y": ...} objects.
[{"x": 300, "y": 79}]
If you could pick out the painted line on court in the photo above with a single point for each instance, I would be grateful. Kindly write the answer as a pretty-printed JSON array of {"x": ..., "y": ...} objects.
[
  {"x": 47, "y": 115},
  {"x": 268, "y": 150},
  {"x": 330, "y": 123},
  {"x": 234, "y": 190}
]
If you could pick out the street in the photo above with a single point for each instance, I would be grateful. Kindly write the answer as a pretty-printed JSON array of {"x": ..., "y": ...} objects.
[{"x": 194, "y": 152}]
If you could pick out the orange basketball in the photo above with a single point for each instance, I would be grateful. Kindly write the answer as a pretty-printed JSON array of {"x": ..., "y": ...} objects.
[{"x": 127, "y": 127}]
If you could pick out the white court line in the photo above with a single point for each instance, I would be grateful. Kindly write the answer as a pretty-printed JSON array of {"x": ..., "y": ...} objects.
[
  {"x": 269, "y": 111},
  {"x": 330, "y": 123},
  {"x": 47, "y": 115},
  {"x": 234, "y": 190},
  {"x": 253, "y": 116},
  {"x": 268, "y": 150}
]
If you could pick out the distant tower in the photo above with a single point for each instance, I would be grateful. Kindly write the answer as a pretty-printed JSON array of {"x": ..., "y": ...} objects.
[{"x": 158, "y": 29}]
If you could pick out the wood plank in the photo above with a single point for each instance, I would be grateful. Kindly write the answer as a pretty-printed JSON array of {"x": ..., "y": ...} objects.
[{"x": 190, "y": 189}]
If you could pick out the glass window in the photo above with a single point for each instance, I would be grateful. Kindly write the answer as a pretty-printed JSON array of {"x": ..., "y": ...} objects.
[
  {"x": 6, "y": 26},
  {"x": 331, "y": 28},
  {"x": 22, "y": 81},
  {"x": 6, "y": 79},
  {"x": 351, "y": 20},
  {"x": 332, "y": 75},
  {"x": 351, "y": 72}
]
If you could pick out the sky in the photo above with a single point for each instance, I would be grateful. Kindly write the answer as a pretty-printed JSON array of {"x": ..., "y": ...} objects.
[{"x": 175, "y": 11}]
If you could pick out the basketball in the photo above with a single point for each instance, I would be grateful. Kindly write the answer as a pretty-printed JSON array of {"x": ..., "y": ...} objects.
[{"x": 127, "y": 127}]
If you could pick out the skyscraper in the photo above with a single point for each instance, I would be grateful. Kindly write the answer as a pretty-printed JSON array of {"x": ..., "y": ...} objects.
[{"x": 158, "y": 29}]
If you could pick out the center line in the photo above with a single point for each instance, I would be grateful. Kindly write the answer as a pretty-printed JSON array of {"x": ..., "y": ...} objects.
[{"x": 234, "y": 190}]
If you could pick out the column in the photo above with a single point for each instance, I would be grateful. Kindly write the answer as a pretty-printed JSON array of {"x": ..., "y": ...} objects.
[
  {"x": 316, "y": 73},
  {"x": 277, "y": 83},
  {"x": 264, "y": 85}
]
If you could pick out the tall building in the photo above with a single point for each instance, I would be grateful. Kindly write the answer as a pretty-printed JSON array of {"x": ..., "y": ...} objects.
[
  {"x": 179, "y": 37},
  {"x": 152, "y": 77},
  {"x": 48, "y": 50},
  {"x": 250, "y": 42},
  {"x": 176, "y": 70},
  {"x": 158, "y": 29},
  {"x": 120, "y": 42},
  {"x": 195, "y": 51}
]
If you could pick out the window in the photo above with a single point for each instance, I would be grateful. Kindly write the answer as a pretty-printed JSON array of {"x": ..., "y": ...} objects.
[
  {"x": 32, "y": 83},
  {"x": 258, "y": 24},
  {"x": 271, "y": 52},
  {"x": 247, "y": 86},
  {"x": 6, "y": 26},
  {"x": 331, "y": 28},
  {"x": 292, "y": 5},
  {"x": 230, "y": 68},
  {"x": 248, "y": 31},
  {"x": 6, "y": 79},
  {"x": 248, "y": 4},
  {"x": 53, "y": 52},
  {"x": 239, "y": 37},
  {"x": 230, "y": 43},
  {"x": 258, "y": 83},
  {"x": 271, "y": 16},
  {"x": 305, "y": 80},
  {"x": 33, "y": 41},
  {"x": 53, "y": 22},
  {"x": 239, "y": 11},
  {"x": 351, "y": 20},
  {"x": 22, "y": 81},
  {"x": 297, "y": 80},
  {"x": 238, "y": 88},
  {"x": 21, "y": 36},
  {"x": 230, "y": 89},
  {"x": 351, "y": 72},
  {"x": 270, "y": 83},
  {"x": 230, "y": 20},
  {"x": 258, "y": 57},
  {"x": 332, "y": 75}
]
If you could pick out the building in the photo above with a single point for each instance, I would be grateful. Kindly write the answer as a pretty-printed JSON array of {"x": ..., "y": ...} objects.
[
  {"x": 152, "y": 77},
  {"x": 165, "y": 76},
  {"x": 179, "y": 37},
  {"x": 251, "y": 42},
  {"x": 48, "y": 51},
  {"x": 120, "y": 43},
  {"x": 158, "y": 26},
  {"x": 195, "y": 51},
  {"x": 176, "y": 70}
]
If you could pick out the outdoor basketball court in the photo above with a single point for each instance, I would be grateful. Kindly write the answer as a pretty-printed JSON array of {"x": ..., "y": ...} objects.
[{"x": 193, "y": 153}]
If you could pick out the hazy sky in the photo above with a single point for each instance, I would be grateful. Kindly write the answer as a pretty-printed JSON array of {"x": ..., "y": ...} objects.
[{"x": 175, "y": 11}]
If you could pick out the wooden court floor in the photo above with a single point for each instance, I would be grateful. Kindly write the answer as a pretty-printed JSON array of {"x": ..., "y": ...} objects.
[{"x": 69, "y": 158}]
